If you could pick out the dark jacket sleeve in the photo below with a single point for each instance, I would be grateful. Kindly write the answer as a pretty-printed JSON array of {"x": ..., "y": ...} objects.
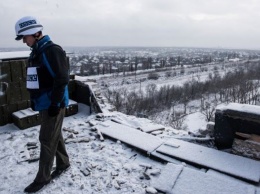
[{"x": 58, "y": 62}]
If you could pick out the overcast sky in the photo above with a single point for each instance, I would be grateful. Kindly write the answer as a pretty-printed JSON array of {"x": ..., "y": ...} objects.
[{"x": 186, "y": 23}]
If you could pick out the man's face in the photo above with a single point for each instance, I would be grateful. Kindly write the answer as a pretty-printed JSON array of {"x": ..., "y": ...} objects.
[{"x": 29, "y": 40}]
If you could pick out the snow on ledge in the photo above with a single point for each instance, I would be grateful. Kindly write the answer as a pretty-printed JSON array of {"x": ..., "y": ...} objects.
[
  {"x": 246, "y": 108},
  {"x": 14, "y": 54}
]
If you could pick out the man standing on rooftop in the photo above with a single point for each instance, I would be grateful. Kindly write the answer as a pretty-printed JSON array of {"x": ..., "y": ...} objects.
[{"x": 47, "y": 82}]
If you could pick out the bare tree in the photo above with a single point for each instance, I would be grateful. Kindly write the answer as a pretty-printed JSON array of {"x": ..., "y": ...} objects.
[
  {"x": 208, "y": 111},
  {"x": 176, "y": 121}
]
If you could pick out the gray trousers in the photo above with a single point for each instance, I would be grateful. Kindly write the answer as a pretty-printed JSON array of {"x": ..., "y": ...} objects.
[{"x": 52, "y": 144}]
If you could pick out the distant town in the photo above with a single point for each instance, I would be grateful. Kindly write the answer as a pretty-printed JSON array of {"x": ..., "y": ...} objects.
[
  {"x": 107, "y": 60},
  {"x": 86, "y": 61}
]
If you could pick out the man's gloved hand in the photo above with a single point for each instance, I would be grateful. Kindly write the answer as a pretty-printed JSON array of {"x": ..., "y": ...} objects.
[{"x": 53, "y": 110}]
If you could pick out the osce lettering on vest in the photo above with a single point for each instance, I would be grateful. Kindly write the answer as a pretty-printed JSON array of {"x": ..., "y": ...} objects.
[
  {"x": 32, "y": 78},
  {"x": 27, "y": 23}
]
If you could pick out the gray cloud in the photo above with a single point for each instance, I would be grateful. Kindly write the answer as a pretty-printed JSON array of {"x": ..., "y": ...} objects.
[{"x": 200, "y": 23}]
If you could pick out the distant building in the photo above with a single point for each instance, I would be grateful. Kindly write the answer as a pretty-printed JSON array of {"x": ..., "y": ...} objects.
[{"x": 234, "y": 60}]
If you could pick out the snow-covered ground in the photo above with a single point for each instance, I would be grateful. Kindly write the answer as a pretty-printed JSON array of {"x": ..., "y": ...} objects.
[
  {"x": 108, "y": 166},
  {"x": 97, "y": 166}
]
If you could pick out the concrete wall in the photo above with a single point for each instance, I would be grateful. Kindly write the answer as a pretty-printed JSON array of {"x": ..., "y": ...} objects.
[
  {"x": 13, "y": 93},
  {"x": 230, "y": 120}
]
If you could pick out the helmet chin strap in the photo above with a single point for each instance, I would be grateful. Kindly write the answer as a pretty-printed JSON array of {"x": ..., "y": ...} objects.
[
  {"x": 37, "y": 35},
  {"x": 34, "y": 46}
]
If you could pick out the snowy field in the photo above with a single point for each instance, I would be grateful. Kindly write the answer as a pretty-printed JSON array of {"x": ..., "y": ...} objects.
[{"x": 140, "y": 80}]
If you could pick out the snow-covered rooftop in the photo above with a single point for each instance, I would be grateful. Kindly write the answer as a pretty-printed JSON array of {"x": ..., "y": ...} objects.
[{"x": 108, "y": 166}]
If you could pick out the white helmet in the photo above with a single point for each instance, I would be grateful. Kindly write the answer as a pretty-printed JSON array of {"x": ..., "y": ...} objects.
[{"x": 27, "y": 26}]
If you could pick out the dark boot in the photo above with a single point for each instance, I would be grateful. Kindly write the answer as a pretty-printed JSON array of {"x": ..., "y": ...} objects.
[
  {"x": 35, "y": 186},
  {"x": 58, "y": 171}
]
